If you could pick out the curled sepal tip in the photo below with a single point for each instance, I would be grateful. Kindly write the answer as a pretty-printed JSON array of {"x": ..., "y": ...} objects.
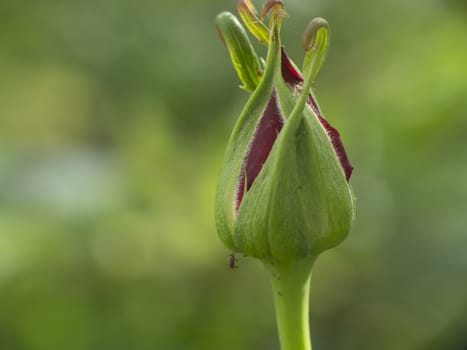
[
  {"x": 315, "y": 41},
  {"x": 276, "y": 6},
  {"x": 243, "y": 55},
  {"x": 254, "y": 24}
]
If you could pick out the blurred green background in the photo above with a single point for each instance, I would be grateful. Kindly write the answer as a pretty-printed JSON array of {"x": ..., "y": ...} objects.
[{"x": 114, "y": 116}]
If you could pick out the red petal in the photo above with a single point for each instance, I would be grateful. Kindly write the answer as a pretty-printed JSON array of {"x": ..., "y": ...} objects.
[
  {"x": 265, "y": 135},
  {"x": 289, "y": 73}
]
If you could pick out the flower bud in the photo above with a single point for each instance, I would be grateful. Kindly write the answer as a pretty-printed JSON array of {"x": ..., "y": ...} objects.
[{"x": 283, "y": 191}]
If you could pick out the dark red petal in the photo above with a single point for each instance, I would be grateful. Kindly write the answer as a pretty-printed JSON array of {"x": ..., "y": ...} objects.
[
  {"x": 289, "y": 73},
  {"x": 292, "y": 77},
  {"x": 265, "y": 135},
  {"x": 336, "y": 141}
]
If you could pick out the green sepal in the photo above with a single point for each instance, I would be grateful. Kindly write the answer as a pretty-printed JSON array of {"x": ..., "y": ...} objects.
[
  {"x": 315, "y": 42},
  {"x": 244, "y": 58},
  {"x": 237, "y": 148},
  {"x": 254, "y": 24}
]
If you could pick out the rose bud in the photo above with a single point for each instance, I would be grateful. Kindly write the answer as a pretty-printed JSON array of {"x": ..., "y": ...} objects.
[{"x": 283, "y": 192}]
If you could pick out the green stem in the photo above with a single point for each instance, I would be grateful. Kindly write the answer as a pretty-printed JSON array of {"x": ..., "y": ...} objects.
[{"x": 291, "y": 287}]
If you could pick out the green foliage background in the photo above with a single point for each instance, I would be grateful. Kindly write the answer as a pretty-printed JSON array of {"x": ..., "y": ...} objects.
[{"x": 114, "y": 116}]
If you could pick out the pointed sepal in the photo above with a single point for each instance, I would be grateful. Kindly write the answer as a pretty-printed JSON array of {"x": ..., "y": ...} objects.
[
  {"x": 244, "y": 58},
  {"x": 315, "y": 42},
  {"x": 250, "y": 18}
]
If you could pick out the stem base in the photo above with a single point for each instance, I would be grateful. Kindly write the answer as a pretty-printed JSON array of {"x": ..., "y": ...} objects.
[{"x": 291, "y": 287}]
